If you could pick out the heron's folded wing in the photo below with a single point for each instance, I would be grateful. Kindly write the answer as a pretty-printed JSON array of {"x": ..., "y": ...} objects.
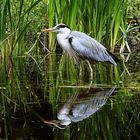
[{"x": 87, "y": 47}]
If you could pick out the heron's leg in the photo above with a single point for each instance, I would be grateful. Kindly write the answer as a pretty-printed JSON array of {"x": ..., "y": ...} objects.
[{"x": 91, "y": 71}]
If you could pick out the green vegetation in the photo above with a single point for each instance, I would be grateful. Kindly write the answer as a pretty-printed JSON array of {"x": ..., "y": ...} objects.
[{"x": 16, "y": 18}]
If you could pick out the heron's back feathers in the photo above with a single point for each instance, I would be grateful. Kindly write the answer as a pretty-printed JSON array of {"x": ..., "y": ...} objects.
[{"x": 89, "y": 48}]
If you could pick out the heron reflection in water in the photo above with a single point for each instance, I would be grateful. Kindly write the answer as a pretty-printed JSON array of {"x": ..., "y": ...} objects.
[
  {"x": 79, "y": 45},
  {"x": 80, "y": 106}
]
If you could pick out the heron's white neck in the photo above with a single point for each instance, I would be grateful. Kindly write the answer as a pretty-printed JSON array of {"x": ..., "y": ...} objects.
[
  {"x": 62, "y": 38},
  {"x": 63, "y": 33}
]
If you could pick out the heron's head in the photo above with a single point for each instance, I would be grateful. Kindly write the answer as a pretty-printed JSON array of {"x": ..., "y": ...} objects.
[{"x": 60, "y": 28}]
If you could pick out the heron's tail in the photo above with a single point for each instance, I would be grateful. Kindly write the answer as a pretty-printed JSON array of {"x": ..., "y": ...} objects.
[{"x": 116, "y": 60}]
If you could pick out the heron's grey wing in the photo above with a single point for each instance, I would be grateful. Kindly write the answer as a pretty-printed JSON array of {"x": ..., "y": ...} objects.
[{"x": 89, "y": 48}]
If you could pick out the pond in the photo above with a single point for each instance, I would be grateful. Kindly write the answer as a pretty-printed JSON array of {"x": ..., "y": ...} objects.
[{"x": 47, "y": 97}]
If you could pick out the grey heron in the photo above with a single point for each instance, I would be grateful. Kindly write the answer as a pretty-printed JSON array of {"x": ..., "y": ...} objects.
[{"x": 79, "y": 45}]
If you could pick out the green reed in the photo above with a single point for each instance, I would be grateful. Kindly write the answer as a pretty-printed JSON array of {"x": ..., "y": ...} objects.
[
  {"x": 19, "y": 88},
  {"x": 16, "y": 90},
  {"x": 14, "y": 20}
]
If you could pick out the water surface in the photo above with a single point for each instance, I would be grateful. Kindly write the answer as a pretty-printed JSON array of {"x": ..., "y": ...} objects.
[{"x": 48, "y": 97}]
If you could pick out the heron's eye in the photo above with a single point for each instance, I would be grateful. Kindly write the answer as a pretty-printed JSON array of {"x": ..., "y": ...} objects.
[{"x": 62, "y": 26}]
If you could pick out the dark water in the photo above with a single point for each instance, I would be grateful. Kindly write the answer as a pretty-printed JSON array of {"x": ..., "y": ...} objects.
[{"x": 48, "y": 98}]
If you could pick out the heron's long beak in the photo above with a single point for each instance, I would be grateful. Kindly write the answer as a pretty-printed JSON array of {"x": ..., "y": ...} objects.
[
  {"x": 47, "y": 30},
  {"x": 55, "y": 123}
]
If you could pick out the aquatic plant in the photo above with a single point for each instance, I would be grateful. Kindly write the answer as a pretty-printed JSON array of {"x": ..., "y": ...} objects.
[{"x": 14, "y": 20}]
